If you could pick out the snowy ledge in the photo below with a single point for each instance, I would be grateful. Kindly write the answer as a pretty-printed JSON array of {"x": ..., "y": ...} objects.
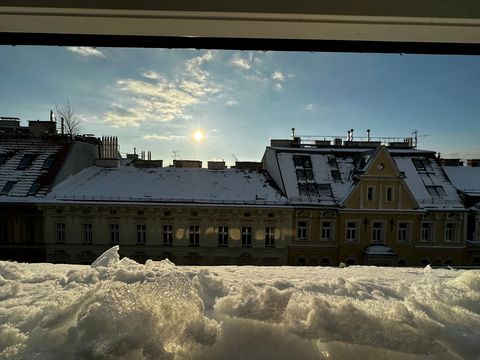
[{"x": 119, "y": 309}]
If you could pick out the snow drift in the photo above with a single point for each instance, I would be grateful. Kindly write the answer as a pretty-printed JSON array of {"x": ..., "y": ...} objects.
[{"x": 120, "y": 309}]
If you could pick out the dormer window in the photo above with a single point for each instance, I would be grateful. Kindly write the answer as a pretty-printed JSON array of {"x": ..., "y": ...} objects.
[
  {"x": 25, "y": 162},
  {"x": 7, "y": 187},
  {"x": 47, "y": 164}
]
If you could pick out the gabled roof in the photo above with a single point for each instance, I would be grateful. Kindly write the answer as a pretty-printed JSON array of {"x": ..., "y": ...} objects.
[
  {"x": 169, "y": 185},
  {"x": 339, "y": 169},
  {"x": 28, "y": 166}
]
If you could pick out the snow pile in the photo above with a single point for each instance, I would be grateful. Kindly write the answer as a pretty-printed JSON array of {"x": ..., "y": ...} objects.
[{"x": 118, "y": 309}]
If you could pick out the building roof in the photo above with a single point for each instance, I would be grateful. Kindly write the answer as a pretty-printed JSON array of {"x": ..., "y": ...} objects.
[
  {"x": 332, "y": 174},
  {"x": 465, "y": 178},
  {"x": 28, "y": 166},
  {"x": 169, "y": 185}
]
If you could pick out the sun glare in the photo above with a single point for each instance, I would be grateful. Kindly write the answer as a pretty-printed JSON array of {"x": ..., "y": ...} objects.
[{"x": 198, "y": 135}]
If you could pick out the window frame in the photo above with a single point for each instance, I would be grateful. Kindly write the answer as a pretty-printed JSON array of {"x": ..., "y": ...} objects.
[
  {"x": 167, "y": 235},
  {"x": 60, "y": 231},
  {"x": 370, "y": 194},
  {"x": 431, "y": 226},
  {"x": 407, "y": 232},
  {"x": 222, "y": 240},
  {"x": 325, "y": 229},
  {"x": 269, "y": 236},
  {"x": 454, "y": 232},
  {"x": 391, "y": 193},
  {"x": 382, "y": 232},
  {"x": 246, "y": 236},
  {"x": 356, "y": 231},
  {"x": 194, "y": 235},
  {"x": 87, "y": 233},
  {"x": 141, "y": 234},
  {"x": 305, "y": 230},
  {"x": 114, "y": 233}
]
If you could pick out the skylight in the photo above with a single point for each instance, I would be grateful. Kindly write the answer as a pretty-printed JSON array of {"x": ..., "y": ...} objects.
[
  {"x": 25, "y": 162},
  {"x": 7, "y": 187}
]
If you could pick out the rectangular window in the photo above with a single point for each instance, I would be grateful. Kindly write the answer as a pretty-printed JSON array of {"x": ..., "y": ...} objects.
[
  {"x": 370, "y": 193},
  {"x": 377, "y": 232},
  {"x": 269, "y": 236},
  {"x": 351, "y": 235},
  {"x": 326, "y": 230},
  {"x": 426, "y": 231},
  {"x": 389, "y": 193},
  {"x": 60, "y": 233},
  {"x": 194, "y": 235},
  {"x": 87, "y": 233},
  {"x": 309, "y": 174},
  {"x": 30, "y": 232},
  {"x": 419, "y": 165},
  {"x": 450, "y": 232},
  {"x": 4, "y": 238},
  {"x": 246, "y": 236},
  {"x": 436, "y": 191},
  {"x": 300, "y": 175},
  {"x": 223, "y": 236},
  {"x": 302, "y": 161},
  {"x": 114, "y": 233},
  {"x": 302, "y": 230},
  {"x": 141, "y": 233},
  {"x": 167, "y": 235},
  {"x": 403, "y": 232},
  {"x": 47, "y": 164},
  {"x": 25, "y": 162}
]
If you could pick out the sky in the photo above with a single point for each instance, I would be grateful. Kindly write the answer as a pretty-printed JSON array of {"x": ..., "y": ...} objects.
[{"x": 157, "y": 99}]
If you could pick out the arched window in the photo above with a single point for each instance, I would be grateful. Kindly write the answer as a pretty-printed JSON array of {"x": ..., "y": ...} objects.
[
  {"x": 301, "y": 262},
  {"x": 424, "y": 262},
  {"x": 325, "y": 262},
  {"x": 350, "y": 262},
  {"x": 401, "y": 262}
]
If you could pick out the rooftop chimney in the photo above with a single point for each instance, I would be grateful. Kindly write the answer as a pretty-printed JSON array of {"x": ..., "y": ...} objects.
[
  {"x": 351, "y": 134},
  {"x": 368, "y": 134}
]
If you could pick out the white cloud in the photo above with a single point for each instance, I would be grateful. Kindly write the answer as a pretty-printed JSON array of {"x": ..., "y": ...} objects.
[
  {"x": 85, "y": 51},
  {"x": 151, "y": 75},
  {"x": 309, "y": 107},
  {"x": 278, "y": 87},
  {"x": 163, "y": 99},
  {"x": 155, "y": 137},
  {"x": 240, "y": 63},
  {"x": 277, "y": 75},
  {"x": 232, "y": 103}
]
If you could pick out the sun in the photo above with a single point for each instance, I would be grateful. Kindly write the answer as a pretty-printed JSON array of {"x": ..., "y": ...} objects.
[{"x": 198, "y": 135}]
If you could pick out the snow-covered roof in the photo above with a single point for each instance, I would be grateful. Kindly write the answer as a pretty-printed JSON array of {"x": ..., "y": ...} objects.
[
  {"x": 169, "y": 185},
  {"x": 427, "y": 181},
  {"x": 333, "y": 171},
  {"x": 465, "y": 179},
  {"x": 28, "y": 166}
]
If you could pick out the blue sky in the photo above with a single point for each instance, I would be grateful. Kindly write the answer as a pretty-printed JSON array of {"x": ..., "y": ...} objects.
[{"x": 155, "y": 99}]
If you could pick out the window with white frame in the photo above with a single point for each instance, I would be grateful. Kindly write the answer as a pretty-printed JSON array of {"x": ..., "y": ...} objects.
[
  {"x": 351, "y": 231},
  {"x": 426, "y": 233},
  {"x": 389, "y": 195},
  {"x": 60, "y": 232},
  {"x": 167, "y": 235},
  {"x": 302, "y": 230},
  {"x": 141, "y": 233},
  {"x": 370, "y": 193},
  {"x": 450, "y": 232},
  {"x": 246, "y": 236},
  {"x": 403, "y": 232},
  {"x": 223, "y": 236},
  {"x": 114, "y": 233},
  {"x": 326, "y": 230},
  {"x": 194, "y": 235},
  {"x": 377, "y": 232},
  {"x": 87, "y": 233},
  {"x": 269, "y": 236}
]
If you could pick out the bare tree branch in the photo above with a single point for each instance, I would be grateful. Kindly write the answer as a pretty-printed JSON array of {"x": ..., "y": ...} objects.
[{"x": 72, "y": 122}]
